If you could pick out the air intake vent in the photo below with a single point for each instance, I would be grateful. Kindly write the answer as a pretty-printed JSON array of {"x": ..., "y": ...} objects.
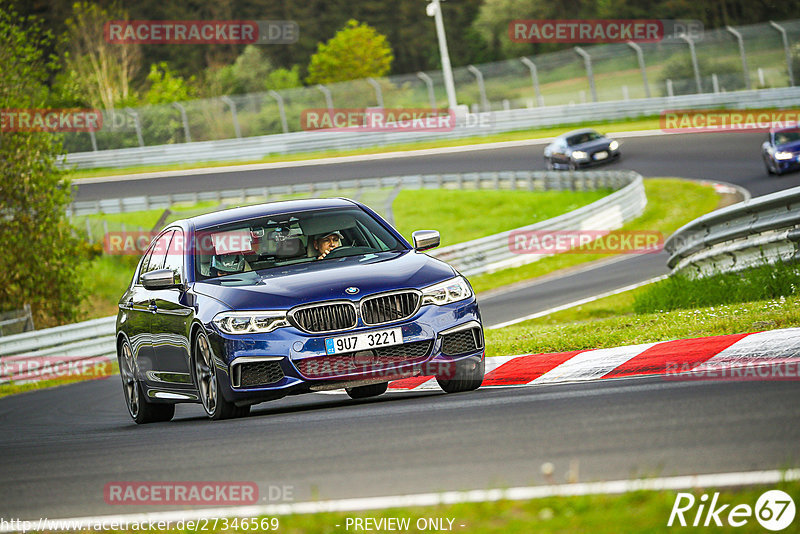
[
  {"x": 260, "y": 373},
  {"x": 381, "y": 361},
  {"x": 325, "y": 317},
  {"x": 389, "y": 308},
  {"x": 462, "y": 342}
]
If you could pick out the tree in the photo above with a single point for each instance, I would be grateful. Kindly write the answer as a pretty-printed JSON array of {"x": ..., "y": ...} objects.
[
  {"x": 252, "y": 72},
  {"x": 356, "y": 51},
  {"x": 41, "y": 257},
  {"x": 167, "y": 87},
  {"x": 104, "y": 71}
]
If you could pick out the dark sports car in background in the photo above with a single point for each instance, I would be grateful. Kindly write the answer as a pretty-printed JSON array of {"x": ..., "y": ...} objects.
[
  {"x": 580, "y": 148},
  {"x": 781, "y": 150},
  {"x": 235, "y": 308}
]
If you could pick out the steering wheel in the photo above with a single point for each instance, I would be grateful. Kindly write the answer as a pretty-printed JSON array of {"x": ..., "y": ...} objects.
[{"x": 346, "y": 250}]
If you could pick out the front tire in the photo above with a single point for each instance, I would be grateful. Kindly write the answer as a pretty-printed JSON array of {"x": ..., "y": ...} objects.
[
  {"x": 467, "y": 377},
  {"x": 371, "y": 390},
  {"x": 205, "y": 375},
  {"x": 139, "y": 409}
]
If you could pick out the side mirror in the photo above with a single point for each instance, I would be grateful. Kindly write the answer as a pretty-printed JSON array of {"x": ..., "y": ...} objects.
[
  {"x": 159, "y": 279},
  {"x": 425, "y": 239}
]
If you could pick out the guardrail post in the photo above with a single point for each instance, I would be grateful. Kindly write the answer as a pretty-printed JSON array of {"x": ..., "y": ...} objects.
[
  {"x": 786, "y": 50},
  {"x": 185, "y": 121},
  {"x": 587, "y": 61},
  {"x": 94, "y": 140},
  {"x": 481, "y": 86},
  {"x": 232, "y": 105},
  {"x": 279, "y": 99},
  {"x": 715, "y": 82},
  {"x": 695, "y": 68},
  {"x": 378, "y": 93},
  {"x": 89, "y": 231},
  {"x": 328, "y": 98},
  {"x": 640, "y": 59},
  {"x": 746, "y": 71},
  {"x": 670, "y": 90},
  {"x": 534, "y": 79},
  {"x": 429, "y": 83},
  {"x": 136, "y": 125}
]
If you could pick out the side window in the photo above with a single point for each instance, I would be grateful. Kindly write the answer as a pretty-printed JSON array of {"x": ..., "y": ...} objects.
[
  {"x": 174, "y": 260},
  {"x": 157, "y": 255}
]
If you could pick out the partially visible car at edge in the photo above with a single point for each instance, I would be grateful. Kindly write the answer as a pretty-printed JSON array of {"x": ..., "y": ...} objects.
[
  {"x": 234, "y": 308},
  {"x": 781, "y": 150},
  {"x": 580, "y": 148}
]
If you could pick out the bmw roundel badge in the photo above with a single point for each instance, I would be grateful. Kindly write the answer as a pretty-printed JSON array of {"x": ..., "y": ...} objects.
[{"x": 351, "y": 290}]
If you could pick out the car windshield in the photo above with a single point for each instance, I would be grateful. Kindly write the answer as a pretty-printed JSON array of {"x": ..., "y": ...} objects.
[
  {"x": 781, "y": 138},
  {"x": 286, "y": 239},
  {"x": 581, "y": 138}
]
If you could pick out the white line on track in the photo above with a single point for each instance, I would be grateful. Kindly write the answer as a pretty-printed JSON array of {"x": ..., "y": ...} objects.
[
  {"x": 576, "y": 303},
  {"x": 714, "y": 480}
]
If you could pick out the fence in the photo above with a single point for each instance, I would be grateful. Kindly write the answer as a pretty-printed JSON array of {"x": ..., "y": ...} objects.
[
  {"x": 614, "y": 72},
  {"x": 761, "y": 230},
  {"x": 14, "y": 322}
]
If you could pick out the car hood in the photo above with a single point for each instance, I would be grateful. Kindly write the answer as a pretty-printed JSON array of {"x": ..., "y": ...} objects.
[{"x": 284, "y": 288}]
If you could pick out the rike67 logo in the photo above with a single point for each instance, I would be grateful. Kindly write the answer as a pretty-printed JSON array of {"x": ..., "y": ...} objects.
[{"x": 774, "y": 510}]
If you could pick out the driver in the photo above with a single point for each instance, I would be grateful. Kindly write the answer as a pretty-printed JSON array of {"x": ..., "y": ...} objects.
[
  {"x": 224, "y": 264},
  {"x": 324, "y": 243}
]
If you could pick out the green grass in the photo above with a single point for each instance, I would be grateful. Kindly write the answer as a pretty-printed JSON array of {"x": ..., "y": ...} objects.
[
  {"x": 645, "y": 123},
  {"x": 764, "y": 282},
  {"x": 466, "y": 215},
  {"x": 671, "y": 203},
  {"x": 621, "y": 326}
]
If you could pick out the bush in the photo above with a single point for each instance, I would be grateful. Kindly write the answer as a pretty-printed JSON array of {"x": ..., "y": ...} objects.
[{"x": 679, "y": 69}]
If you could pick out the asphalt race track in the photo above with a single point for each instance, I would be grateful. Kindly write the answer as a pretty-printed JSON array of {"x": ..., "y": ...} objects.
[
  {"x": 730, "y": 157},
  {"x": 59, "y": 447}
]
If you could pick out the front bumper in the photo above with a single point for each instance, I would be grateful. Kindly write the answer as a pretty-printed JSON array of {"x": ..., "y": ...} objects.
[{"x": 296, "y": 362}]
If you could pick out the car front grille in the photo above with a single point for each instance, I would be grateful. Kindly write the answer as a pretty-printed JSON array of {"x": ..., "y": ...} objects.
[
  {"x": 462, "y": 341},
  {"x": 325, "y": 317},
  {"x": 377, "y": 361},
  {"x": 252, "y": 374},
  {"x": 388, "y": 308}
]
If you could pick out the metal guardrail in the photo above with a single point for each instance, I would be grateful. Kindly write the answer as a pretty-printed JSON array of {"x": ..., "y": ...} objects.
[
  {"x": 761, "y": 230},
  {"x": 94, "y": 340},
  {"x": 22, "y": 354},
  {"x": 252, "y": 148}
]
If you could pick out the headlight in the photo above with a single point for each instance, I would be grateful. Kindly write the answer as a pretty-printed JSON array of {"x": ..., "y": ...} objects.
[
  {"x": 613, "y": 145},
  {"x": 580, "y": 154},
  {"x": 446, "y": 292},
  {"x": 250, "y": 322},
  {"x": 783, "y": 155}
]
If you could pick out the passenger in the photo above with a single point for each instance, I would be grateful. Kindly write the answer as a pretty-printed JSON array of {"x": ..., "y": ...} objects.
[{"x": 324, "y": 243}]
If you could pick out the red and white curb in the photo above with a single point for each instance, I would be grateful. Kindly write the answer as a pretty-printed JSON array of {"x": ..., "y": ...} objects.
[{"x": 771, "y": 355}]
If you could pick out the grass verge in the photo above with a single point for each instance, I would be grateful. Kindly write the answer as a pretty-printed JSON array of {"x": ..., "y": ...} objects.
[
  {"x": 671, "y": 203},
  {"x": 466, "y": 215},
  {"x": 108, "y": 370},
  {"x": 622, "y": 327},
  {"x": 645, "y": 123},
  {"x": 680, "y": 292}
]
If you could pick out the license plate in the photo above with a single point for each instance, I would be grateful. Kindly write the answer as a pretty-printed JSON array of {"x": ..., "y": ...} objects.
[
  {"x": 365, "y": 341},
  {"x": 600, "y": 155}
]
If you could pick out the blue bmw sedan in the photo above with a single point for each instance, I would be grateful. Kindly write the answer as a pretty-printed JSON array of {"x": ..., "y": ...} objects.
[{"x": 251, "y": 304}]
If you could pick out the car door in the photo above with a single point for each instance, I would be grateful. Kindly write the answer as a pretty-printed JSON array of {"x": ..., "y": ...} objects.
[
  {"x": 171, "y": 321},
  {"x": 139, "y": 308}
]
